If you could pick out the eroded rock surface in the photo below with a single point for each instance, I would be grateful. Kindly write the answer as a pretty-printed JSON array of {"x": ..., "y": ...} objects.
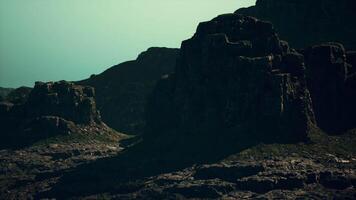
[
  {"x": 303, "y": 23},
  {"x": 234, "y": 78},
  {"x": 51, "y": 109},
  {"x": 122, "y": 89},
  {"x": 331, "y": 82}
]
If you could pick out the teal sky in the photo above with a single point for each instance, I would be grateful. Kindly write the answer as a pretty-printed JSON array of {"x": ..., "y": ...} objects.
[{"x": 72, "y": 39}]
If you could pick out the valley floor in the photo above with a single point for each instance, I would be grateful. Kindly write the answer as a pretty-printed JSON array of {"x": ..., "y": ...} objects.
[{"x": 322, "y": 169}]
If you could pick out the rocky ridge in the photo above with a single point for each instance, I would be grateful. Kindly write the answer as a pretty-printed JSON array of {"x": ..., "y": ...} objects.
[
  {"x": 122, "y": 89},
  {"x": 236, "y": 85},
  {"x": 331, "y": 81},
  {"x": 51, "y": 109},
  {"x": 304, "y": 23},
  {"x": 234, "y": 78}
]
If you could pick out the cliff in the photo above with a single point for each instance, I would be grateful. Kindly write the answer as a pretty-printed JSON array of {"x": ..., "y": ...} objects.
[
  {"x": 303, "y": 23},
  {"x": 58, "y": 108},
  {"x": 122, "y": 89},
  {"x": 235, "y": 82}
]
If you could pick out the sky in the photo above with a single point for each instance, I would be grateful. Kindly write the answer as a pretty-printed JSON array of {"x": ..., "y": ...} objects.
[{"x": 51, "y": 40}]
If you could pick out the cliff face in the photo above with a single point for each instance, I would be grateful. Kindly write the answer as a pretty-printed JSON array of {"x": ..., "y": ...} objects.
[
  {"x": 4, "y": 92},
  {"x": 122, "y": 89},
  {"x": 18, "y": 95},
  {"x": 304, "y": 22},
  {"x": 51, "y": 109},
  {"x": 67, "y": 100},
  {"x": 331, "y": 82},
  {"x": 234, "y": 79}
]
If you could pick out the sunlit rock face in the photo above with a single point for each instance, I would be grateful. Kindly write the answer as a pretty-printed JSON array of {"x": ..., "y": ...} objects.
[
  {"x": 236, "y": 79},
  {"x": 303, "y": 22}
]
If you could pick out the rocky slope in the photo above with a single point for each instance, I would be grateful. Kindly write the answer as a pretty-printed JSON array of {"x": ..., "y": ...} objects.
[
  {"x": 55, "y": 129},
  {"x": 238, "y": 119},
  {"x": 236, "y": 85},
  {"x": 303, "y": 23},
  {"x": 28, "y": 171},
  {"x": 122, "y": 89},
  {"x": 322, "y": 169}
]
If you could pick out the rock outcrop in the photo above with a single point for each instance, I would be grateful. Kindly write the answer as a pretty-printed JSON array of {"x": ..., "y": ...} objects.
[
  {"x": 64, "y": 99},
  {"x": 4, "y": 92},
  {"x": 122, "y": 89},
  {"x": 18, "y": 95},
  {"x": 303, "y": 22},
  {"x": 331, "y": 82},
  {"x": 51, "y": 109},
  {"x": 237, "y": 80}
]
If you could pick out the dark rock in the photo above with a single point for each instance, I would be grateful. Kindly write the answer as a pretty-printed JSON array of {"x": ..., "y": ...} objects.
[
  {"x": 45, "y": 127},
  {"x": 63, "y": 99},
  {"x": 19, "y": 95},
  {"x": 330, "y": 85},
  {"x": 351, "y": 59},
  {"x": 202, "y": 189},
  {"x": 304, "y": 23},
  {"x": 226, "y": 172},
  {"x": 122, "y": 89},
  {"x": 293, "y": 63},
  {"x": 4, "y": 92},
  {"x": 257, "y": 184},
  {"x": 225, "y": 83},
  {"x": 335, "y": 180},
  {"x": 50, "y": 109}
]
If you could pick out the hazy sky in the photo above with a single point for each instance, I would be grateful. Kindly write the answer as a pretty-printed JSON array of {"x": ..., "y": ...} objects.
[{"x": 72, "y": 39}]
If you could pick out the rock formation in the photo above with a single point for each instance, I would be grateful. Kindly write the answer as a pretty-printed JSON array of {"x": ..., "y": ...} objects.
[
  {"x": 331, "y": 82},
  {"x": 234, "y": 79},
  {"x": 122, "y": 89},
  {"x": 64, "y": 99},
  {"x": 4, "y": 92},
  {"x": 18, "y": 95},
  {"x": 303, "y": 22},
  {"x": 51, "y": 109}
]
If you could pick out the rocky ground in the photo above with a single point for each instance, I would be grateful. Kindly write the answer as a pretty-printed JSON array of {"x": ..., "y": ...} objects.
[
  {"x": 27, "y": 171},
  {"x": 238, "y": 119},
  {"x": 324, "y": 168}
]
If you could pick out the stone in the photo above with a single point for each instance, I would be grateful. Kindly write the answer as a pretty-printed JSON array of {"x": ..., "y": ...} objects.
[
  {"x": 63, "y": 99},
  {"x": 19, "y": 95},
  {"x": 304, "y": 23},
  {"x": 351, "y": 59},
  {"x": 226, "y": 172},
  {"x": 122, "y": 90},
  {"x": 226, "y": 83},
  {"x": 50, "y": 109},
  {"x": 330, "y": 86},
  {"x": 45, "y": 127}
]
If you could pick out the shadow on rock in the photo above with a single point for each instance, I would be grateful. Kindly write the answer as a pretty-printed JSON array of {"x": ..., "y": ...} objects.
[{"x": 126, "y": 172}]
